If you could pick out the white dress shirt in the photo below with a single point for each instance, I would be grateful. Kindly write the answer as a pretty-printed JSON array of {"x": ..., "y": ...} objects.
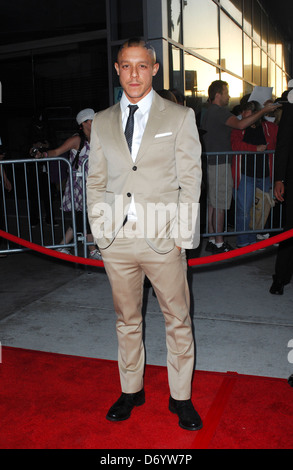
[{"x": 140, "y": 120}]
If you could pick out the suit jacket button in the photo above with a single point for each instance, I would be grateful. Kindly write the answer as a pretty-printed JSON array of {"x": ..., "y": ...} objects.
[
  {"x": 129, "y": 194},
  {"x": 134, "y": 168}
]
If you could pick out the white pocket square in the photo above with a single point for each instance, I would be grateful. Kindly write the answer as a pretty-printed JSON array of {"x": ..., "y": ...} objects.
[{"x": 165, "y": 134}]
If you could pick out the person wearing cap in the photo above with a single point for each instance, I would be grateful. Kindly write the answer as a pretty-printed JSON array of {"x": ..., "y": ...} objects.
[{"x": 78, "y": 147}]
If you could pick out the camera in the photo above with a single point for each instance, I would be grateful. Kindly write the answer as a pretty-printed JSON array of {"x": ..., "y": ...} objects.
[{"x": 35, "y": 150}]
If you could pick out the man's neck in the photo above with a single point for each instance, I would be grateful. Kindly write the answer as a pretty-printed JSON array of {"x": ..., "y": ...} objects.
[
  {"x": 217, "y": 102},
  {"x": 145, "y": 102}
]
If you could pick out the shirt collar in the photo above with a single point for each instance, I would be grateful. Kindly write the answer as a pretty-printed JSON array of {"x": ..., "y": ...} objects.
[{"x": 144, "y": 104}]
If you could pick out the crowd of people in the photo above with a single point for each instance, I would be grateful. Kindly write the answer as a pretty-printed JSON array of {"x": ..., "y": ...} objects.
[
  {"x": 223, "y": 132},
  {"x": 255, "y": 127}
]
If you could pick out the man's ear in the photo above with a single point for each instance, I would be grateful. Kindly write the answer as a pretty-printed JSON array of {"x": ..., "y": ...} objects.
[
  {"x": 155, "y": 69},
  {"x": 116, "y": 67}
]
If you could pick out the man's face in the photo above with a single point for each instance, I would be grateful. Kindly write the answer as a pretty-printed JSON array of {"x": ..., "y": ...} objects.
[
  {"x": 224, "y": 96},
  {"x": 136, "y": 69}
]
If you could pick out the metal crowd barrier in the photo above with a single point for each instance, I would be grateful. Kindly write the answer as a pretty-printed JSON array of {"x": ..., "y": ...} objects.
[
  {"x": 32, "y": 210},
  {"x": 265, "y": 213}
]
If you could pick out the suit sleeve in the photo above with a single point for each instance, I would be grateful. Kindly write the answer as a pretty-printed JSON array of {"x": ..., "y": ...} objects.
[
  {"x": 284, "y": 143},
  {"x": 96, "y": 182},
  {"x": 189, "y": 174}
]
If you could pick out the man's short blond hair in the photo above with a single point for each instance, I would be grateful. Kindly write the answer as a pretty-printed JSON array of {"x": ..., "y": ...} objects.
[{"x": 138, "y": 42}]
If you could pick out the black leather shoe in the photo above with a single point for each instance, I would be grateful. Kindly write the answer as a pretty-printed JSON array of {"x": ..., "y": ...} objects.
[
  {"x": 277, "y": 287},
  {"x": 188, "y": 418},
  {"x": 122, "y": 408}
]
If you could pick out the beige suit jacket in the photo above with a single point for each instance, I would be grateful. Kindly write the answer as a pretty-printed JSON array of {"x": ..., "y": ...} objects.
[{"x": 165, "y": 178}]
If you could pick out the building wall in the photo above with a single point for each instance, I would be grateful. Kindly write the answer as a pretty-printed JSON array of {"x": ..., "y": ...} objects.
[
  {"x": 68, "y": 63},
  {"x": 233, "y": 40},
  {"x": 198, "y": 41}
]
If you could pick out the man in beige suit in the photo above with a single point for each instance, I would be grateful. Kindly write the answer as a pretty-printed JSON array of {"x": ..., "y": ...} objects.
[{"x": 143, "y": 190}]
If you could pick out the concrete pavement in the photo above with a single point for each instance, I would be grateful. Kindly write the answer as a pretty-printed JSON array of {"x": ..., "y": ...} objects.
[{"x": 56, "y": 306}]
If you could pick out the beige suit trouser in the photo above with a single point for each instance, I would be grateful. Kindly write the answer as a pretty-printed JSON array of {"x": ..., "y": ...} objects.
[{"x": 127, "y": 260}]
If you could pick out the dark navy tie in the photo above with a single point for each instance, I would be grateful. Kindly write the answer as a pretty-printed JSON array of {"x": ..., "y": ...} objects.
[{"x": 130, "y": 125}]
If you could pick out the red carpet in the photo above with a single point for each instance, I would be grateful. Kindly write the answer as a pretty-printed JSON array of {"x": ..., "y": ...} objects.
[{"x": 53, "y": 401}]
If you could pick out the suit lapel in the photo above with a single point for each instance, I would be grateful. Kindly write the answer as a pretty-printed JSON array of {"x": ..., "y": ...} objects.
[
  {"x": 152, "y": 126},
  {"x": 151, "y": 129},
  {"x": 116, "y": 130}
]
